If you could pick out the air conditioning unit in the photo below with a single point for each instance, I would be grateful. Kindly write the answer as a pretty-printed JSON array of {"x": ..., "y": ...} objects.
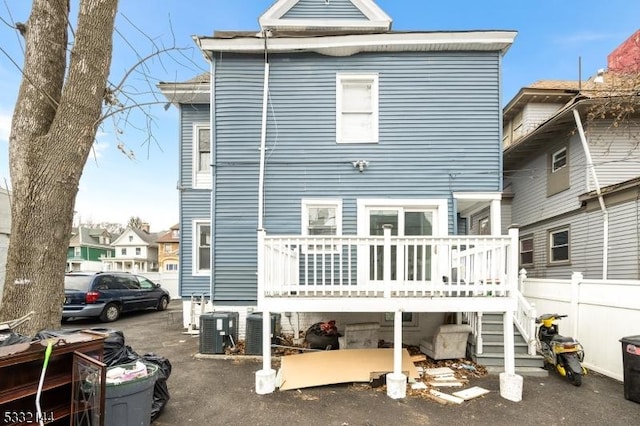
[
  {"x": 253, "y": 339},
  {"x": 218, "y": 330}
]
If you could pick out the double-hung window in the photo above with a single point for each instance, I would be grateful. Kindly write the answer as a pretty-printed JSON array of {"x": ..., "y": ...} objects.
[
  {"x": 559, "y": 246},
  {"x": 322, "y": 218},
  {"x": 201, "y": 156},
  {"x": 356, "y": 108},
  {"x": 202, "y": 248},
  {"x": 526, "y": 251}
]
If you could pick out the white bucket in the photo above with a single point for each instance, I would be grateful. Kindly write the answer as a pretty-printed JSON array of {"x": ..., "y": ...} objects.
[{"x": 511, "y": 387}]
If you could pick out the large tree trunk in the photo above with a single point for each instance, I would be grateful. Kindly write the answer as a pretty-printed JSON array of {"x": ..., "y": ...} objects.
[{"x": 53, "y": 128}]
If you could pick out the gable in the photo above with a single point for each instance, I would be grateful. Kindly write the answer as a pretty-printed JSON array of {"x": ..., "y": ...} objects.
[
  {"x": 325, "y": 15},
  {"x": 123, "y": 240},
  {"x": 336, "y": 9}
]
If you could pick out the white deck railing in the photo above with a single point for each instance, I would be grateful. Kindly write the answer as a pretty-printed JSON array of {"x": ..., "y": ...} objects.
[{"x": 387, "y": 266}]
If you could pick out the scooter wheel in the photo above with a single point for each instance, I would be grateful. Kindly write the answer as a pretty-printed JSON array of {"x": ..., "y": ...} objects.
[{"x": 574, "y": 378}]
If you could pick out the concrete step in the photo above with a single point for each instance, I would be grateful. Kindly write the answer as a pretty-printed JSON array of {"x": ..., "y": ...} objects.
[
  {"x": 497, "y": 359},
  {"x": 498, "y": 336},
  {"x": 495, "y": 347},
  {"x": 522, "y": 371}
]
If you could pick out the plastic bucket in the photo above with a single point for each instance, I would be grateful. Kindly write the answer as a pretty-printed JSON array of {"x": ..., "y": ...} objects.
[{"x": 511, "y": 387}]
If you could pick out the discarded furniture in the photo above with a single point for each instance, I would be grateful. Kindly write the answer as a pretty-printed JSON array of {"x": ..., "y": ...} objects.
[{"x": 448, "y": 342}]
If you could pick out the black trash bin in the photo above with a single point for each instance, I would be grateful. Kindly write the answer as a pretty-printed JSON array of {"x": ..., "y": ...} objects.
[{"x": 631, "y": 366}]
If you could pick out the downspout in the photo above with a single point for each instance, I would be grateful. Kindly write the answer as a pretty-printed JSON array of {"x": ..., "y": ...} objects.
[
  {"x": 605, "y": 213},
  {"x": 214, "y": 172},
  {"x": 263, "y": 135}
]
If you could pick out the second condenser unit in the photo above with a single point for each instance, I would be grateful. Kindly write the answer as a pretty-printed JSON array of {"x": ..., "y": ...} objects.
[{"x": 253, "y": 340}]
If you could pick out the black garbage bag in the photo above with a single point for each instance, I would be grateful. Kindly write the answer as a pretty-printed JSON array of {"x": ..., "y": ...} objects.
[
  {"x": 160, "y": 390},
  {"x": 115, "y": 350},
  {"x": 9, "y": 337}
]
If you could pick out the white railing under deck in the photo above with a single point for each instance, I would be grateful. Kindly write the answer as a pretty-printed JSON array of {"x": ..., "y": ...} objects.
[{"x": 388, "y": 267}]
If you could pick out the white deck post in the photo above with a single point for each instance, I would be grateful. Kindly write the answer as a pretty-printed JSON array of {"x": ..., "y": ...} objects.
[
  {"x": 386, "y": 263},
  {"x": 509, "y": 352},
  {"x": 265, "y": 378},
  {"x": 396, "y": 381}
]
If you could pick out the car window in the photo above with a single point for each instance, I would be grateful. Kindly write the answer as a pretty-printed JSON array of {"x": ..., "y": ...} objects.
[
  {"x": 146, "y": 283},
  {"x": 105, "y": 283},
  {"x": 129, "y": 283},
  {"x": 77, "y": 282}
]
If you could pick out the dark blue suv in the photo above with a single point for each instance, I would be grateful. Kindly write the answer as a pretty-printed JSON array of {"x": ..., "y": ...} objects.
[{"x": 106, "y": 295}]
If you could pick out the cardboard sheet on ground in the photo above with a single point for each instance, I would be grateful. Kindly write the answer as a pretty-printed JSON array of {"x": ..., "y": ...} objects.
[{"x": 340, "y": 366}]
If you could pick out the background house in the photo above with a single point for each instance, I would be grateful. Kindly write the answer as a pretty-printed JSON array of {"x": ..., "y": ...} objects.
[
  {"x": 169, "y": 250},
  {"x": 86, "y": 248},
  {"x": 576, "y": 198},
  {"x": 136, "y": 250}
]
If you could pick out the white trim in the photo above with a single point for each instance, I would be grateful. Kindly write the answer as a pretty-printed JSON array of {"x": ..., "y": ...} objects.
[
  {"x": 347, "y": 45},
  {"x": 550, "y": 247},
  {"x": 195, "y": 252},
  {"x": 365, "y": 78},
  {"x": 480, "y": 196},
  {"x": 441, "y": 218},
  {"x": 376, "y": 17},
  {"x": 554, "y": 159},
  {"x": 200, "y": 180}
]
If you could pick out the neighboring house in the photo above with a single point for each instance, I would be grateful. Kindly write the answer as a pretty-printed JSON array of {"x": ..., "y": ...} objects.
[
  {"x": 87, "y": 247},
  {"x": 136, "y": 250},
  {"x": 334, "y": 168},
  {"x": 5, "y": 232},
  {"x": 577, "y": 199},
  {"x": 168, "y": 250}
]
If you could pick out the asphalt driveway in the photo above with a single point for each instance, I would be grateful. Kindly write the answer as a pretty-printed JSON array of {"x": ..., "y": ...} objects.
[{"x": 221, "y": 392}]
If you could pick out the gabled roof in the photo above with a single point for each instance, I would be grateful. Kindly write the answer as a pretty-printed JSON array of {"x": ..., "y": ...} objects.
[
  {"x": 168, "y": 237},
  {"x": 301, "y": 15},
  {"x": 83, "y": 236}
]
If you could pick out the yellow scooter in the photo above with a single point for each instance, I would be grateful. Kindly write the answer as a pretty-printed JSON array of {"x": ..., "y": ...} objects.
[{"x": 564, "y": 353}]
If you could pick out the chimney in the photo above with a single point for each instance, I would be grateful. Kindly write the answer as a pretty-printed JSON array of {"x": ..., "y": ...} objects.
[
  {"x": 145, "y": 227},
  {"x": 626, "y": 57}
]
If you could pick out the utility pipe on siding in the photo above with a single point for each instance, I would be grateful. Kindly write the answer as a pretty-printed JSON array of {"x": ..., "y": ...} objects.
[
  {"x": 605, "y": 213},
  {"x": 263, "y": 141}
]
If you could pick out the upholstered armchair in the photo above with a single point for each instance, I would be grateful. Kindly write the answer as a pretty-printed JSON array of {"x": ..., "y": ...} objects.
[{"x": 448, "y": 342}]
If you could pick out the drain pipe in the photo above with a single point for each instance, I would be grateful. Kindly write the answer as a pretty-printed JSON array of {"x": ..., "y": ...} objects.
[
  {"x": 265, "y": 378},
  {"x": 605, "y": 213}
]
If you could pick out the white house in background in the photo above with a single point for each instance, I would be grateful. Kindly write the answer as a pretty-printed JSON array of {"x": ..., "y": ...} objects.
[
  {"x": 136, "y": 250},
  {"x": 5, "y": 231}
]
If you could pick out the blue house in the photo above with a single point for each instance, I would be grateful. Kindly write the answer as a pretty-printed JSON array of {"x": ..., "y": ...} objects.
[{"x": 334, "y": 168}]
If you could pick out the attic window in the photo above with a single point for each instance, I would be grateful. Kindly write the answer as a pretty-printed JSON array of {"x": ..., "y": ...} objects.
[{"x": 559, "y": 160}]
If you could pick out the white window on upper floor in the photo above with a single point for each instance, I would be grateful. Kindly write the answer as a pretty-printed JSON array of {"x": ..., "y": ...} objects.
[
  {"x": 77, "y": 251},
  {"x": 201, "y": 248},
  {"x": 138, "y": 251},
  {"x": 356, "y": 108},
  {"x": 201, "y": 156},
  {"x": 130, "y": 238},
  {"x": 559, "y": 160},
  {"x": 321, "y": 217},
  {"x": 123, "y": 251}
]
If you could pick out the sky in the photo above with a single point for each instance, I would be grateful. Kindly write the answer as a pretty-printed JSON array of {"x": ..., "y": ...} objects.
[{"x": 557, "y": 40}]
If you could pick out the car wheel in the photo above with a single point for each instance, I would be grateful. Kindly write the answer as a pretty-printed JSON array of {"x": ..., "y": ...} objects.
[
  {"x": 110, "y": 313},
  {"x": 163, "y": 303}
]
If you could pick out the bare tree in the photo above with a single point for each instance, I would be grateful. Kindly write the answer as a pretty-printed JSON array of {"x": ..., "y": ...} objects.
[
  {"x": 54, "y": 124},
  {"x": 135, "y": 222}
]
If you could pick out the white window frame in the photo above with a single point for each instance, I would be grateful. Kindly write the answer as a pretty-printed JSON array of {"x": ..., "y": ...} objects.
[
  {"x": 196, "y": 270},
  {"x": 308, "y": 203},
  {"x": 551, "y": 233},
  {"x": 138, "y": 251},
  {"x": 171, "y": 267},
  {"x": 555, "y": 156},
  {"x": 201, "y": 179},
  {"x": 522, "y": 251},
  {"x": 372, "y": 78},
  {"x": 77, "y": 251}
]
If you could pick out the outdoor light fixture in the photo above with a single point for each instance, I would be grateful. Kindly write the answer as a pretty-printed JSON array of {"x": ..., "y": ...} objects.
[{"x": 360, "y": 165}]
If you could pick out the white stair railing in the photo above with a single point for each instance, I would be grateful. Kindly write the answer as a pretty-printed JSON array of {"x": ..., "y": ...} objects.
[{"x": 525, "y": 317}]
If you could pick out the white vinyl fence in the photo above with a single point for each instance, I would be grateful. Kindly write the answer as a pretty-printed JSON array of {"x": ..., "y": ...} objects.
[
  {"x": 167, "y": 280},
  {"x": 601, "y": 312}
]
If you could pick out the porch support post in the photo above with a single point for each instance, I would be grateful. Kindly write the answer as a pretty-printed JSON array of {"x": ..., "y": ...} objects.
[
  {"x": 386, "y": 263},
  {"x": 509, "y": 352},
  {"x": 495, "y": 218},
  {"x": 265, "y": 378},
  {"x": 396, "y": 381}
]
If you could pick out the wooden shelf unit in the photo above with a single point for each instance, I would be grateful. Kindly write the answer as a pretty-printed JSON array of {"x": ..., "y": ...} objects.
[{"x": 20, "y": 375}]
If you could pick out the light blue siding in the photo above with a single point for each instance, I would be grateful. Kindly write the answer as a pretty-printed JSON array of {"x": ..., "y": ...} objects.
[
  {"x": 439, "y": 131},
  {"x": 334, "y": 9},
  {"x": 194, "y": 203}
]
